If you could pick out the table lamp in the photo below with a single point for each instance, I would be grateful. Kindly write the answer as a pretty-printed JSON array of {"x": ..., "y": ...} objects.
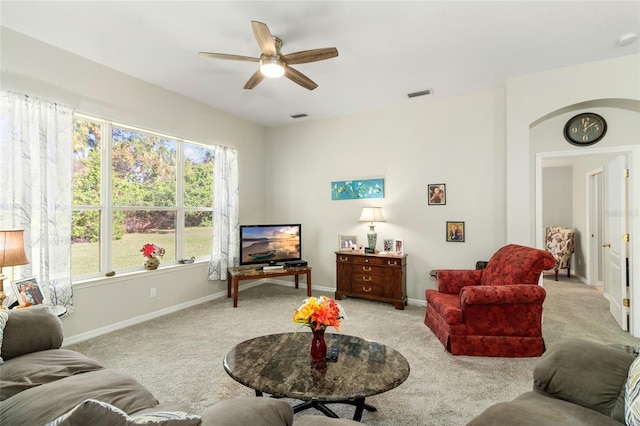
[
  {"x": 372, "y": 215},
  {"x": 11, "y": 254}
]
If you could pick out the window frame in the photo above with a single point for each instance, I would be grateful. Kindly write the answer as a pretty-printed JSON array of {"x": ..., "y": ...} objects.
[{"x": 106, "y": 208}]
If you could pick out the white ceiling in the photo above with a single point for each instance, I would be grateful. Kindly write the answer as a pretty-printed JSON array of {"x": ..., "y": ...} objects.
[{"x": 387, "y": 49}]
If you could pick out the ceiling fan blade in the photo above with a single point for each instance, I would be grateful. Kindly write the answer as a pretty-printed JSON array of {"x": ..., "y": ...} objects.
[
  {"x": 264, "y": 38},
  {"x": 229, "y": 57},
  {"x": 313, "y": 55},
  {"x": 255, "y": 79},
  {"x": 299, "y": 78}
]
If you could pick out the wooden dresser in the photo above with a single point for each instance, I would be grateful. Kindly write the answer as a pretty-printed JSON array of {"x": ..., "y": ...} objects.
[{"x": 381, "y": 277}]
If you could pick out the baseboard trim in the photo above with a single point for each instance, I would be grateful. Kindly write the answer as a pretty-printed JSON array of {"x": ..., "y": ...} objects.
[
  {"x": 171, "y": 309},
  {"x": 151, "y": 315}
]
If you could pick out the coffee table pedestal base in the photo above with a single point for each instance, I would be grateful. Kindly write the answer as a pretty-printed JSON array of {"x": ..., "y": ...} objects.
[{"x": 322, "y": 407}]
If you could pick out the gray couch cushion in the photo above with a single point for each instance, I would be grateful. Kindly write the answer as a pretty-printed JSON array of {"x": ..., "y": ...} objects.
[
  {"x": 31, "y": 329},
  {"x": 42, "y": 404},
  {"x": 42, "y": 367},
  {"x": 249, "y": 412},
  {"x": 585, "y": 373},
  {"x": 533, "y": 409},
  {"x": 98, "y": 413}
]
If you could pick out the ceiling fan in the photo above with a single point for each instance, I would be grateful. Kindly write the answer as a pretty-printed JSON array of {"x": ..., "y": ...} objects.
[{"x": 273, "y": 63}]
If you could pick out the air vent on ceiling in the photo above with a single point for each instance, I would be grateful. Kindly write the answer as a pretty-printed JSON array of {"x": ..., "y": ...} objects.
[
  {"x": 420, "y": 93},
  {"x": 299, "y": 115}
]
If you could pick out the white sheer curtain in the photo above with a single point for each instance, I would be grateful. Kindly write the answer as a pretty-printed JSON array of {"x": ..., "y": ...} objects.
[
  {"x": 225, "y": 244},
  {"x": 36, "y": 148}
]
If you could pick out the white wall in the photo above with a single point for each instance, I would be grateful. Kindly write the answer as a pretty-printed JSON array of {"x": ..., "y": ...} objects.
[
  {"x": 557, "y": 200},
  {"x": 40, "y": 70},
  {"x": 534, "y": 97},
  {"x": 456, "y": 141},
  {"x": 550, "y": 98}
]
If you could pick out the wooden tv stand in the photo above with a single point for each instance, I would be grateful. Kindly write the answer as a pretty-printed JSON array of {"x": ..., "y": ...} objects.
[
  {"x": 380, "y": 277},
  {"x": 237, "y": 274}
]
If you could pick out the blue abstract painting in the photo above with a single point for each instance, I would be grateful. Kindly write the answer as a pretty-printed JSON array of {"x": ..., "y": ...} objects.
[{"x": 354, "y": 189}]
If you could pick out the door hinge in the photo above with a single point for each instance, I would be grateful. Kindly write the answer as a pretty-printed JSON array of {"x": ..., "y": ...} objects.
[
  {"x": 625, "y": 238},
  {"x": 625, "y": 172},
  {"x": 626, "y": 302}
]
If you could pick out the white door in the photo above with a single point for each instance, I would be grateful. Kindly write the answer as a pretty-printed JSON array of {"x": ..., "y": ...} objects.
[{"x": 614, "y": 247}]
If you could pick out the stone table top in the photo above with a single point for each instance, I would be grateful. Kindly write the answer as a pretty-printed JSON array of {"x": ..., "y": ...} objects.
[{"x": 281, "y": 365}]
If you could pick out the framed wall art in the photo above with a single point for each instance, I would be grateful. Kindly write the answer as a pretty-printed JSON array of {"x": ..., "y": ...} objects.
[
  {"x": 356, "y": 189},
  {"x": 455, "y": 232},
  {"x": 437, "y": 194},
  {"x": 347, "y": 242},
  {"x": 27, "y": 291}
]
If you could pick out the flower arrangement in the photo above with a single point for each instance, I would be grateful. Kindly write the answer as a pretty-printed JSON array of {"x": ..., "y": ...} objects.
[
  {"x": 319, "y": 313},
  {"x": 152, "y": 250}
]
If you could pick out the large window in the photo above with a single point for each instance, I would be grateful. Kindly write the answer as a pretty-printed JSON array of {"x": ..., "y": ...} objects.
[{"x": 133, "y": 187}]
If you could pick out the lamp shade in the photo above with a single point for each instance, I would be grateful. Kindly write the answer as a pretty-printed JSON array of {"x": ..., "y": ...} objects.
[
  {"x": 371, "y": 214},
  {"x": 12, "y": 248}
]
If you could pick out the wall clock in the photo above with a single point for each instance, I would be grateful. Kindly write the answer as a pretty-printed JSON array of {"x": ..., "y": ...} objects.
[{"x": 585, "y": 129}]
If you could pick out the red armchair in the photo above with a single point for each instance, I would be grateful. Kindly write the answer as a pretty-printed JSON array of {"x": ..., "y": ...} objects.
[{"x": 496, "y": 311}]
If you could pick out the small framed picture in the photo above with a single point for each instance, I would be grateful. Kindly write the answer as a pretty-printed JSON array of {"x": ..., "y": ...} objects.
[
  {"x": 455, "y": 232},
  {"x": 437, "y": 194},
  {"x": 398, "y": 247},
  {"x": 347, "y": 242},
  {"x": 388, "y": 246},
  {"x": 27, "y": 291}
]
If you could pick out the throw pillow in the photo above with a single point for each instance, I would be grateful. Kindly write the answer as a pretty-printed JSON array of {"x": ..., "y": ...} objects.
[
  {"x": 88, "y": 411},
  {"x": 4, "y": 317},
  {"x": 632, "y": 395}
]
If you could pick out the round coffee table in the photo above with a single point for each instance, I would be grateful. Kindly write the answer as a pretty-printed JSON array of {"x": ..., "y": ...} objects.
[{"x": 281, "y": 365}]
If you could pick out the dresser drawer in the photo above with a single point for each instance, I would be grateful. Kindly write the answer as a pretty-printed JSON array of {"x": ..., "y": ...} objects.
[
  {"x": 366, "y": 278},
  {"x": 359, "y": 268},
  {"x": 367, "y": 285},
  {"x": 368, "y": 260}
]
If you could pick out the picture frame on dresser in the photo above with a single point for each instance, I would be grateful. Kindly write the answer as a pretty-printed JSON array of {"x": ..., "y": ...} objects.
[
  {"x": 455, "y": 232},
  {"x": 398, "y": 247},
  {"x": 347, "y": 242},
  {"x": 387, "y": 245}
]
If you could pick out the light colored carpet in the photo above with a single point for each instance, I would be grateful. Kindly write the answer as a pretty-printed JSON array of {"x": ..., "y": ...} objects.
[{"x": 179, "y": 356}]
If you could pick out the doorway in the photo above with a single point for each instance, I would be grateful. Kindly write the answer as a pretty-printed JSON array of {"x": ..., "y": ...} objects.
[{"x": 590, "y": 204}]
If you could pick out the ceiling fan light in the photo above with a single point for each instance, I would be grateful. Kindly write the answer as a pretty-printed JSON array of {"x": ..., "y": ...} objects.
[{"x": 271, "y": 67}]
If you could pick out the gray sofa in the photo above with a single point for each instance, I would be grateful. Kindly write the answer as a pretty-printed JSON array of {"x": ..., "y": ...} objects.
[
  {"x": 576, "y": 382},
  {"x": 40, "y": 383}
]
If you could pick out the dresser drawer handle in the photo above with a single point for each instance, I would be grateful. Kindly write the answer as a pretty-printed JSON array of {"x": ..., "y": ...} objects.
[
  {"x": 366, "y": 290},
  {"x": 366, "y": 268},
  {"x": 343, "y": 259},
  {"x": 366, "y": 260},
  {"x": 392, "y": 262},
  {"x": 366, "y": 278}
]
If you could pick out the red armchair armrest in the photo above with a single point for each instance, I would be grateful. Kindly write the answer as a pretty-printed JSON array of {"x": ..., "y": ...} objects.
[
  {"x": 451, "y": 281},
  {"x": 502, "y": 295}
]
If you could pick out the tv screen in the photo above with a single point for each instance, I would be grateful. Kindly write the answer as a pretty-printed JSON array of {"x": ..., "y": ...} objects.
[{"x": 271, "y": 244}]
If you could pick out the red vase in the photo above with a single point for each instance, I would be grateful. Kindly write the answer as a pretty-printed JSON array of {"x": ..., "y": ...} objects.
[{"x": 318, "y": 345}]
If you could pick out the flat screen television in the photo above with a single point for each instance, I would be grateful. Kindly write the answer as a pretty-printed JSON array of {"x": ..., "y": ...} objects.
[{"x": 272, "y": 244}]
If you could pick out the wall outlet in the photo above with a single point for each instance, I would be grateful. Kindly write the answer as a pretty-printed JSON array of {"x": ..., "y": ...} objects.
[{"x": 153, "y": 292}]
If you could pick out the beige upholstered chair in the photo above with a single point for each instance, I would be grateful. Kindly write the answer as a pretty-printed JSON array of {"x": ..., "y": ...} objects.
[{"x": 561, "y": 244}]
